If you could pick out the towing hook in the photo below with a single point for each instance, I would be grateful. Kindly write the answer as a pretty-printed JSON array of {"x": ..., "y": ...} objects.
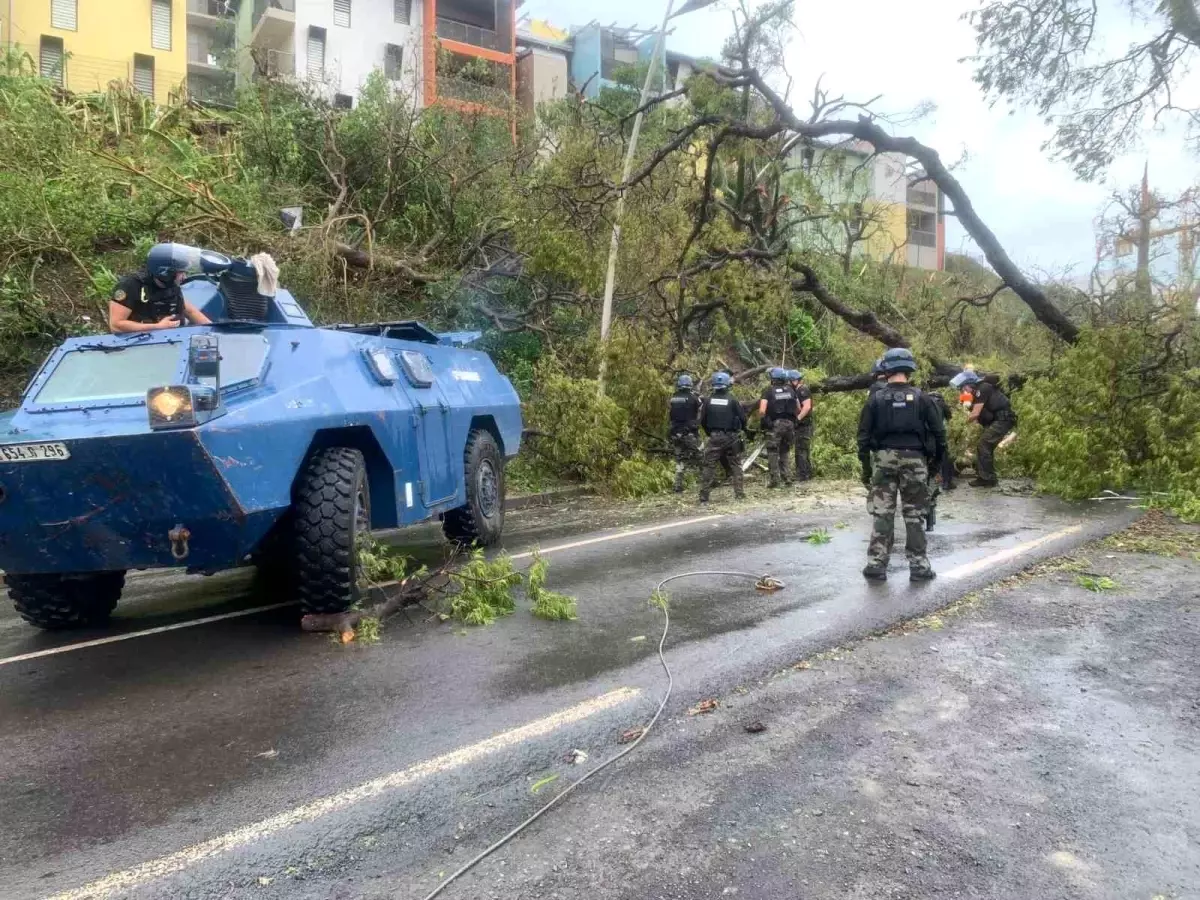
[{"x": 179, "y": 536}]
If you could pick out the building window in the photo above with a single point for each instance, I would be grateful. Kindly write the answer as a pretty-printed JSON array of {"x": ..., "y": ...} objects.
[
  {"x": 341, "y": 13},
  {"x": 160, "y": 25},
  {"x": 316, "y": 53},
  {"x": 393, "y": 61},
  {"x": 143, "y": 74},
  {"x": 50, "y": 59},
  {"x": 343, "y": 101},
  {"x": 64, "y": 14},
  {"x": 403, "y": 11}
]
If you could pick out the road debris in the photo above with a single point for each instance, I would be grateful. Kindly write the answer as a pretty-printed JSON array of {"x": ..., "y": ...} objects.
[
  {"x": 577, "y": 757},
  {"x": 628, "y": 737},
  {"x": 704, "y": 706},
  {"x": 267, "y": 754},
  {"x": 754, "y": 728}
]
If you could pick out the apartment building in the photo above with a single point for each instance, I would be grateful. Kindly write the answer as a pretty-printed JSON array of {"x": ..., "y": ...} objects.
[
  {"x": 210, "y": 51},
  {"x": 334, "y": 45},
  {"x": 884, "y": 210},
  {"x": 86, "y": 45}
]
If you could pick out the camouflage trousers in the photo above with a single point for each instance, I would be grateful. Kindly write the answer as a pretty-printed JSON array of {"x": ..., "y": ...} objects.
[
  {"x": 686, "y": 447},
  {"x": 724, "y": 448},
  {"x": 804, "y": 438},
  {"x": 779, "y": 448},
  {"x": 895, "y": 473},
  {"x": 985, "y": 457}
]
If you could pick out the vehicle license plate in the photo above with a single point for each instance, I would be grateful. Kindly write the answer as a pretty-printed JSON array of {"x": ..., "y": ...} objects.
[{"x": 33, "y": 452}]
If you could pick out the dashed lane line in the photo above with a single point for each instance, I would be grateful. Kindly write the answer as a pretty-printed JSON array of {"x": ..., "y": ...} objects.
[{"x": 174, "y": 863}]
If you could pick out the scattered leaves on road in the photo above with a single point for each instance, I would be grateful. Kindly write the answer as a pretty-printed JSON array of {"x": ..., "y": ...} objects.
[
  {"x": 577, "y": 757},
  {"x": 628, "y": 737},
  {"x": 754, "y": 728},
  {"x": 819, "y": 536},
  {"x": 1095, "y": 583},
  {"x": 704, "y": 706},
  {"x": 267, "y": 754},
  {"x": 541, "y": 783}
]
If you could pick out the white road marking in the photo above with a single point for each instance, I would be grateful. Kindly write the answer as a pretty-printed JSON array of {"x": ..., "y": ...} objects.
[
  {"x": 979, "y": 565},
  {"x": 619, "y": 535},
  {"x": 113, "y": 639},
  {"x": 191, "y": 623},
  {"x": 309, "y": 812}
]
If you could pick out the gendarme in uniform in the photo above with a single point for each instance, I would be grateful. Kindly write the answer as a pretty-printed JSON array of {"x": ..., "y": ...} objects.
[
  {"x": 147, "y": 300},
  {"x": 900, "y": 433}
]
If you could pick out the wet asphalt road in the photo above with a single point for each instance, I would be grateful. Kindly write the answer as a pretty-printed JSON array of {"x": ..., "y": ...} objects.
[{"x": 146, "y": 750}]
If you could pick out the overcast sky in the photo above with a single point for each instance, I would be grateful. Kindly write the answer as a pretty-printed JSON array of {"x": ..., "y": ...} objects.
[{"x": 908, "y": 51}]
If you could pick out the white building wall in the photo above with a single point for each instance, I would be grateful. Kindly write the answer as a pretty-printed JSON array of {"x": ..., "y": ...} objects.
[
  {"x": 351, "y": 54},
  {"x": 889, "y": 182}
]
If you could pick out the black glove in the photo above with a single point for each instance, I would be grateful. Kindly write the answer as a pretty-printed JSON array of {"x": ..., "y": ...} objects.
[{"x": 865, "y": 459}]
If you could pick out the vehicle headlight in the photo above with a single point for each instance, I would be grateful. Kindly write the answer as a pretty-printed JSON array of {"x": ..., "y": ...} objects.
[{"x": 171, "y": 407}]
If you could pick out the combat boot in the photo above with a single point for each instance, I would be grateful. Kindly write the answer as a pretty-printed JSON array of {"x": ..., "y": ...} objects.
[
  {"x": 921, "y": 575},
  {"x": 875, "y": 573}
]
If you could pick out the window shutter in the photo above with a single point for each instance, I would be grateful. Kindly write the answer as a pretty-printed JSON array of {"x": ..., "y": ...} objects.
[
  {"x": 50, "y": 63},
  {"x": 341, "y": 13},
  {"x": 160, "y": 25},
  {"x": 143, "y": 75},
  {"x": 63, "y": 14},
  {"x": 316, "y": 54},
  {"x": 403, "y": 12},
  {"x": 393, "y": 61}
]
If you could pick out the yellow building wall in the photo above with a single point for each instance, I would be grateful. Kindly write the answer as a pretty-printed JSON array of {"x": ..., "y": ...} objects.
[
  {"x": 888, "y": 239},
  {"x": 102, "y": 47}
]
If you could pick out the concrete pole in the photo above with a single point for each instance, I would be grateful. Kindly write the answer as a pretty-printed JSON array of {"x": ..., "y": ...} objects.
[{"x": 615, "y": 247}]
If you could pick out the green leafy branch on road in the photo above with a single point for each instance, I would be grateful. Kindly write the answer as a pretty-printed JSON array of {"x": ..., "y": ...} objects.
[
  {"x": 1095, "y": 583},
  {"x": 548, "y": 604},
  {"x": 485, "y": 589}
]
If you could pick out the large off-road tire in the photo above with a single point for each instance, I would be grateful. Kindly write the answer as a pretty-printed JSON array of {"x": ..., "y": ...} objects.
[
  {"x": 481, "y": 520},
  {"x": 61, "y": 602},
  {"x": 332, "y": 512}
]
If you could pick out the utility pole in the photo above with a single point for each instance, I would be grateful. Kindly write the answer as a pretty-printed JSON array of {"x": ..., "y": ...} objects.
[{"x": 610, "y": 280}]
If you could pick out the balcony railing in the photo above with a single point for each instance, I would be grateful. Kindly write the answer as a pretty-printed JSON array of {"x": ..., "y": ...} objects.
[
  {"x": 274, "y": 63},
  {"x": 451, "y": 30},
  {"x": 214, "y": 92},
  {"x": 261, "y": 6},
  {"x": 218, "y": 9}
]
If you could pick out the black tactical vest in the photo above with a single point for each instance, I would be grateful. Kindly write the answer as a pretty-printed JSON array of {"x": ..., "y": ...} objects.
[
  {"x": 719, "y": 414},
  {"x": 685, "y": 410},
  {"x": 898, "y": 421},
  {"x": 781, "y": 403}
]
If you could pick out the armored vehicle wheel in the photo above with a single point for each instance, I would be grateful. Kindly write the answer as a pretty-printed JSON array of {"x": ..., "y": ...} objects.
[
  {"x": 332, "y": 510},
  {"x": 60, "y": 602},
  {"x": 481, "y": 520}
]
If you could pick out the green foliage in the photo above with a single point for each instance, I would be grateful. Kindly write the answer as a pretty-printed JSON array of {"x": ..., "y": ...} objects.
[
  {"x": 1113, "y": 417},
  {"x": 1095, "y": 583},
  {"x": 640, "y": 476},
  {"x": 819, "y": 536},
  {"x": 380, "y": 563},
  {"x": 485, "y": 589},
  {"x": 835, "y": 439},
  {"x": 547, "y": 604},
  {"x": 368, "y": 630},
  {"x": 582, "y": 436}
]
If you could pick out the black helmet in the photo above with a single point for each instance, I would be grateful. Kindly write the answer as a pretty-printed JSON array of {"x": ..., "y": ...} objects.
[{"x": 898, "y": 359}]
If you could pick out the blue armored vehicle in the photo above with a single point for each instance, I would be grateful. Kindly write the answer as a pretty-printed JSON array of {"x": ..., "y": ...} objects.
[{"x": 258, "y": 439}]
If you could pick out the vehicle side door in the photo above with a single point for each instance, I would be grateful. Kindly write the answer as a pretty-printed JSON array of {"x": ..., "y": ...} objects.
[{"x": 431, "y": 419}]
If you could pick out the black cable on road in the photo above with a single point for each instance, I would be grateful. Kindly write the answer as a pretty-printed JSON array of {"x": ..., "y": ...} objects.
[{"x": 763, "y": 582}]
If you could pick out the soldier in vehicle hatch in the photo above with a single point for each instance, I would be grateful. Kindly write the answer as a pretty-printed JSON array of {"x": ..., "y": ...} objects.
[
  {"x": 723, "y": 420},
  {"x": 152, "y": 300},
  {"x": 684, "y": 431},
  {"x": 779, "y": 410},
  {"x": 900, "y": 433}
]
